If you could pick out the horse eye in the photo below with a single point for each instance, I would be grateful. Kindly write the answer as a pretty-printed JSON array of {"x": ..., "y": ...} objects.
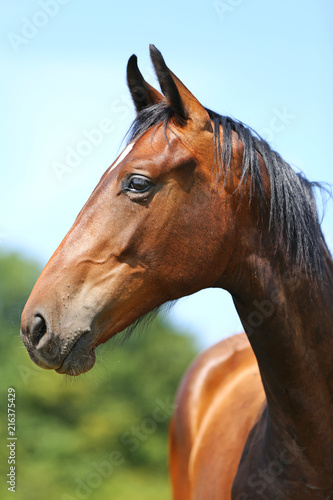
[{"x": 138, "y": 184}]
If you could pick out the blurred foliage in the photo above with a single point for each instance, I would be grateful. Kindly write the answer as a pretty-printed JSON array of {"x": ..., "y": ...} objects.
[{"x": 97, "y": 436}]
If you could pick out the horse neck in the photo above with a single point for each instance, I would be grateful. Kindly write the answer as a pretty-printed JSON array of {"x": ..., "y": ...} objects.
[{"x": 289, "y": 322}]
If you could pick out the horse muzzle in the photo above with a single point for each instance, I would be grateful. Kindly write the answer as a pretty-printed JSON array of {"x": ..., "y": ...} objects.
[{"x": 72, "y": 352}]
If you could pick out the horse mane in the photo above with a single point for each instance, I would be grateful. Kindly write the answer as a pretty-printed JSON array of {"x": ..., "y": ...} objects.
[{"x": 292, "y": 211}]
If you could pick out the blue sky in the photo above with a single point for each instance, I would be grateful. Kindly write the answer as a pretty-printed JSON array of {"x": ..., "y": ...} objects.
[{"x": 267, "y": 63}]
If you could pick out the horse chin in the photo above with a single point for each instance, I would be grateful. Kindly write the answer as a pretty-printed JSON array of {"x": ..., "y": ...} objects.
[{"x": 80, "y": 359}]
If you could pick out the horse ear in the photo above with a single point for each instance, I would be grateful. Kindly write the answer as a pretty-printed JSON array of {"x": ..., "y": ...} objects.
[
  {"x": 142, "y": 93},
  {"x": 185, "y": 105}
]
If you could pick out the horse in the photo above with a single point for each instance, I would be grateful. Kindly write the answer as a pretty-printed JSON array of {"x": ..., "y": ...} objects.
[{"x": 199, "y": 200}]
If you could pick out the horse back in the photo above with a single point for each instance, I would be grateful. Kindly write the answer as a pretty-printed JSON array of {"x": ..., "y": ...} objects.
[{"x": 219, "y": 400}]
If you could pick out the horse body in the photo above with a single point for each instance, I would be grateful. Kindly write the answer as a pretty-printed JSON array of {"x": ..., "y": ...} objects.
[{"x": 197, "y": 200}]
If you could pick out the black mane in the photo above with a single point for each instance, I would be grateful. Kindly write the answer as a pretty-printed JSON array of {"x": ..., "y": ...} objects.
[{"x": 293, "y": 218}]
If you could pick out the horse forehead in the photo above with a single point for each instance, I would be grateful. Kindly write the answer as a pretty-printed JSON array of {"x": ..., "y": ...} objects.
[{"x": 158, "y": 152}]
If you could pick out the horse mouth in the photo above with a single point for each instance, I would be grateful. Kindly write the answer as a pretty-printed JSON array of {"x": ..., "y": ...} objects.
[{"x": 80, "y": 359}]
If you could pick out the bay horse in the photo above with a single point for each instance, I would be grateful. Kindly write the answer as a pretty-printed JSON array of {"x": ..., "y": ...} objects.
[{"x": 199, "y": 200}]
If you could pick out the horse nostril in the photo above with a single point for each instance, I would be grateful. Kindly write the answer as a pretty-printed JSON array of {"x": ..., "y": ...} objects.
[{"x": 38, "y": 329}]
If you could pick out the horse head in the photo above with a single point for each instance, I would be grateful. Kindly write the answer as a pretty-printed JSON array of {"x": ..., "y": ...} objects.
[{"x": 158, "y": 226}]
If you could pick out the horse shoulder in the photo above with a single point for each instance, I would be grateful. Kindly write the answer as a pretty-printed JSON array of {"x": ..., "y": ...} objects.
[{"x": 218, "y": 403}]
